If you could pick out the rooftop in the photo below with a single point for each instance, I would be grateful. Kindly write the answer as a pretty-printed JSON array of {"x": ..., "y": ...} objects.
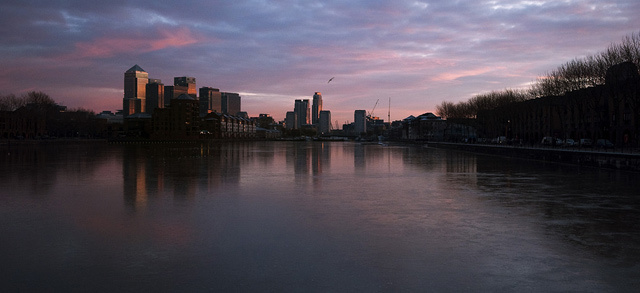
[{"x": 135, "y": 68}]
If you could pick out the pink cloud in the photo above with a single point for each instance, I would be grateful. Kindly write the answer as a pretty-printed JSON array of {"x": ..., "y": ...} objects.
[
  {"x": 453, "y": 75},
  {"x": 107, "y": 47}
]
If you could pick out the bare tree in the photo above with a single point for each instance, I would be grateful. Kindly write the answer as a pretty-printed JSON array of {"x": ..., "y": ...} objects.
[
  {"x": 589, "y": 71},
  {"x": 39, "y": 98},
  {"x": 10, "y": 102}
]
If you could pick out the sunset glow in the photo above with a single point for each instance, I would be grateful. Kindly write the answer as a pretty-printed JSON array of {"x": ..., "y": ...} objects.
[{"x": 419, "y": 53}]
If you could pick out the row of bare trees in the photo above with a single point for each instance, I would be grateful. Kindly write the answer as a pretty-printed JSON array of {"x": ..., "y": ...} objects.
[
  {"x": 478, "y": 103},
  {"x": 573, "y": 75},
  {"x": 12, "y": 102},
  {"x": 36, "y": 114}
]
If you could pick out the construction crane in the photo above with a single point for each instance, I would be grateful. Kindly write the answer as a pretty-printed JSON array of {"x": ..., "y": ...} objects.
[
  {"x": 374, "y": 108},
  {"x": 389, "y": 113}
]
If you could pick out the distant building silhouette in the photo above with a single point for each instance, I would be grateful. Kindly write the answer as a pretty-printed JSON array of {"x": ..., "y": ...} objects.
[
  {"x": 324, "y": 122},
  {"x": 154, "y": 95},
  {"x": 231, "y": 103},
  {"x": 218, "y": 125},
  {"x": 168, "y": 95},
  {"x": 152, "y": 110},
  {"x": 301, "y": 108},
  {"x": 426, "y": 126},
  {"x": 360, "y": 121},
  {"x": 210, "y": 100},
  {"x": 184, "y": 85},
  {"x": 181, "y": 120},
  {"x": 316, "y": 108},
  {"x": 290, "y": 120}
]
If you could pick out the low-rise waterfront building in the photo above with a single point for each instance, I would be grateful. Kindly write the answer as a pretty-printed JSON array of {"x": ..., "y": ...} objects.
[{"x": 609, "y": 111}]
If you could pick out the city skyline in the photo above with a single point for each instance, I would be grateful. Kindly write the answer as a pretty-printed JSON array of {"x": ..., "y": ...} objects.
[{"x": 417, "y": 53}]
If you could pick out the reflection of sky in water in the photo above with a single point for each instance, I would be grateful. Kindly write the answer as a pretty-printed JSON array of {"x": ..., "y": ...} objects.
[{"x": 264, "y": 216}]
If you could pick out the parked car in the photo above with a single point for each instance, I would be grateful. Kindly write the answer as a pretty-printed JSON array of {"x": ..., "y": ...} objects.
[
  {"x": 586, "y": 143},
  {"x": 604, "y": 144},
  {"x": 499, "y": 140},
  {"x": 548, "y": 140},
  {"x": 569, "y": 142}
]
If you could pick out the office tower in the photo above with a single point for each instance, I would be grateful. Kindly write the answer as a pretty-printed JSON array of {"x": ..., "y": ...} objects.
[
  {"x": 360, "y": 121},
  {"x": 168, "y": 95},
  {"x": 324, "y": 122},
  {"x": 155, "y": 95},
  {"x": 130, "y": 106},
  {"x": 184, "y": 85},
  {"x": 210, "y": 100},
  {"x": 135, "y": 82},
  {"x": 316, "y": 108},
  {"x": 301, "y": 108},
  {"x": 231, "y": 103},
  {"x": 290, "y": 120}
]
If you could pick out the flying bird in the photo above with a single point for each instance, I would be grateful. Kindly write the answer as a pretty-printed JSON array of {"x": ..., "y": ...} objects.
[{"x": 330, "y": 79}]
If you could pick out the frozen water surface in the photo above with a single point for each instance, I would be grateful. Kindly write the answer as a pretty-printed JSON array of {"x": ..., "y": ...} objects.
[{"x": 310, "y": 217}]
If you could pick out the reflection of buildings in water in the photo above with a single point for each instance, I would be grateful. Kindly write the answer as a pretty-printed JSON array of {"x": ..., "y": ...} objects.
[
  {"x": 308, "y": 158},
  {"x": 134, "y": 177},
  {"x": 464, "y": 166},
  {"x": 457, "y": 162},
  {"x": 320, "y": 159},
  {"x": 220, "y": 164},
  {"x": 39, "y": 166},
  {"x": 299, "y": 157},
  {"x": 367, "y": 156},
  {"x": 149, "y": 171},
  {"x": 359, "y": 161},
  {"x": 28, "y": 164},
  {"x": 263, "y": 153}
]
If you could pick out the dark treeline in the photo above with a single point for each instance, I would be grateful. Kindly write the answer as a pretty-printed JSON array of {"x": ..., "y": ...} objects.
[
  {"x": 12, "y": 102},
  {"x": 36, "y": 115},
  {"x": 574, "y": 75}
]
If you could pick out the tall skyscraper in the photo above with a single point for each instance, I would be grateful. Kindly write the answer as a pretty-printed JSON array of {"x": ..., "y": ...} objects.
[
  {"x": 324, "y": 122},
  {"x": 316, "y": 108},
  {"x": 301, "y": 108},
  {"x": 155, "y": 95},
  {"x": 168, "y": 95},
  {"x": 360, "y": 121},
  {"x": 135, "y": 88},
  {"x": 210, "y": 100},
  {"x": 231, "y": 103}
]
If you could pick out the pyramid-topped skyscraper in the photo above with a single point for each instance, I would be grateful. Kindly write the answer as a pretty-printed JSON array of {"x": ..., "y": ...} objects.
[{"x": 135, "y": 82}]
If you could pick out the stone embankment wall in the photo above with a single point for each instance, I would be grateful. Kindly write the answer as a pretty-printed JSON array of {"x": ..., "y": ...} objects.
[{"x": 592, "y": 158}]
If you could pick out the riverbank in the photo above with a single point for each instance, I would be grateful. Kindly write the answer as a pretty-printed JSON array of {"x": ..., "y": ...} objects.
[
  {"x": 582, "y": 157},
  {"x": 50, "y": 141}
]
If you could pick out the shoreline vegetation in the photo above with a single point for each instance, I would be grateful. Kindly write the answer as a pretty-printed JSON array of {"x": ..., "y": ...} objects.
[{"x": 574, "y": 75}]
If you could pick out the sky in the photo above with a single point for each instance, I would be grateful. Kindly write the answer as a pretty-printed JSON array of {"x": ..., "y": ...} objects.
[{"x": 410, "y": 56}]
